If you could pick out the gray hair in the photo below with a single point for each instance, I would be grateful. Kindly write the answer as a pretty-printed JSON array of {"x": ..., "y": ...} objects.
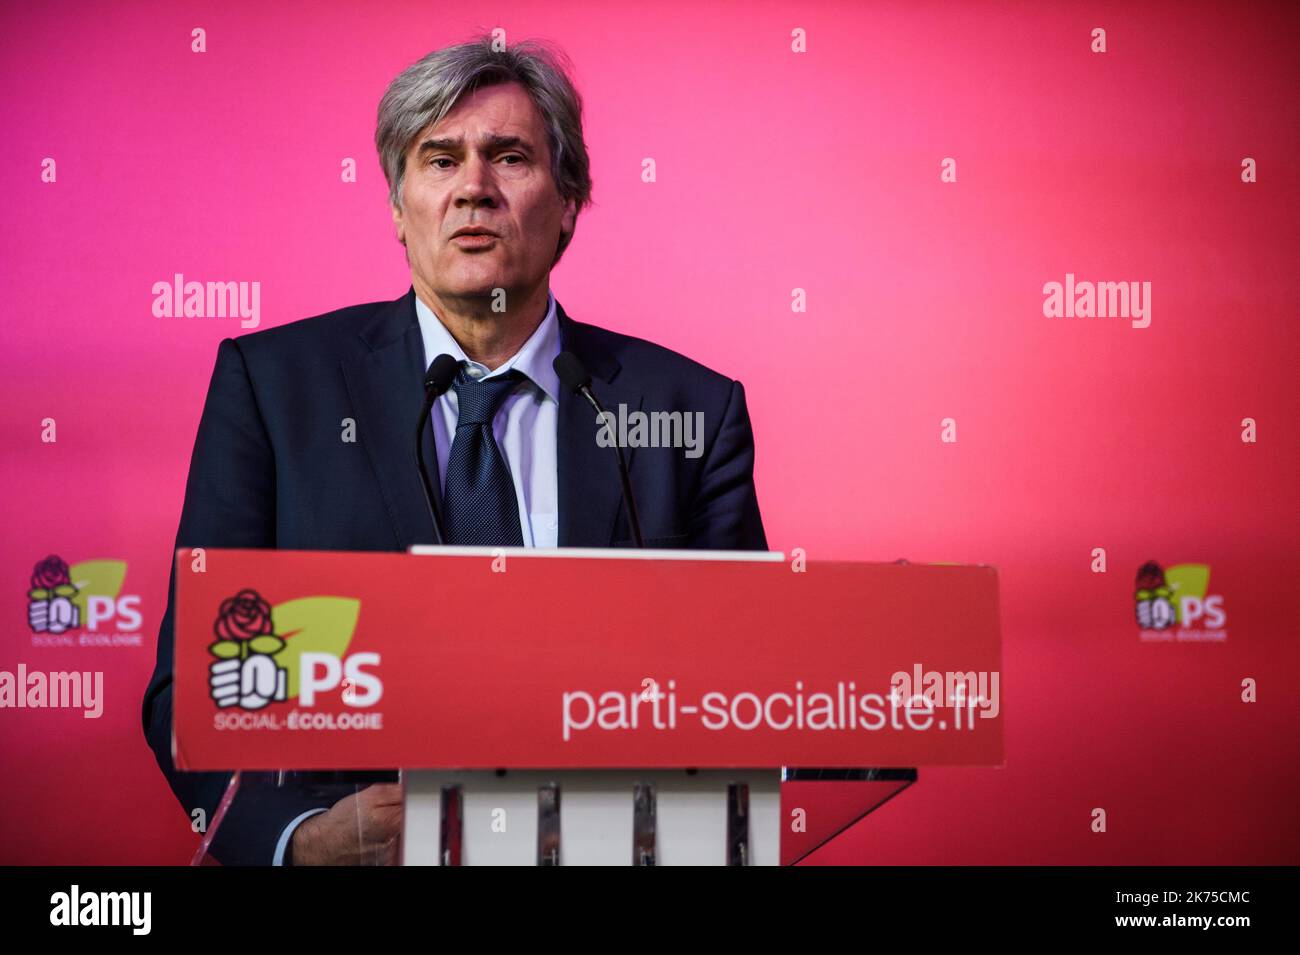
[{"x": 426, "y": 91}]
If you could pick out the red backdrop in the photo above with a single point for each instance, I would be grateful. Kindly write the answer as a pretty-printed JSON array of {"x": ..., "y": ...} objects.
[{"x": 131, "y": 157}]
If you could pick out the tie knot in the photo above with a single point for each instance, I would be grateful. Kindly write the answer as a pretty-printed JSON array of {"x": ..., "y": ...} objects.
[{"x": 477, "y": 401}]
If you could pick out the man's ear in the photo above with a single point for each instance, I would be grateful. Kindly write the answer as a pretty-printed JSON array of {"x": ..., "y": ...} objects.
[
  {"x": 397, "y": 221},
  {"x": 569, "y": 218}
]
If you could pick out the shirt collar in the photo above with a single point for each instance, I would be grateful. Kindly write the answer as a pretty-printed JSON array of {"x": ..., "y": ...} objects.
[{"x": 533, "y": 359}]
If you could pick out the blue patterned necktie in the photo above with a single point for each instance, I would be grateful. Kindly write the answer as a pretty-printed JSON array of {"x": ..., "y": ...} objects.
[{"x": 479, "y": 506}]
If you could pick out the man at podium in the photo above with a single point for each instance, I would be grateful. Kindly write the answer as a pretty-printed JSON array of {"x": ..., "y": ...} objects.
[{"x": 308, "y": 433}]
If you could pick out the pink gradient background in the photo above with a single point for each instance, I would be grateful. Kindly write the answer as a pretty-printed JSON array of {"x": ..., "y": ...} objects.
[{"x": 775, "y": 171}]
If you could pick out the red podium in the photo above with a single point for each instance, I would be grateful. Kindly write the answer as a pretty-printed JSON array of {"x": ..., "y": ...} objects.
[{"x": 570, "y": 706}]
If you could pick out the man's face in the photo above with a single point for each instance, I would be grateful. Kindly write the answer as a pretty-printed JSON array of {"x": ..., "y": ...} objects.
[{"x": 485, "y": 165}]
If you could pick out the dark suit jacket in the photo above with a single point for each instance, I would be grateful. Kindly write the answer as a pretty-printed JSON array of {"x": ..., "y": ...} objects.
[{"x": 269, "y": 469}]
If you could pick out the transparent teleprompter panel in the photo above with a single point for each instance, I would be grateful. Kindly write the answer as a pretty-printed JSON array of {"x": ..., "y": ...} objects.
[{"x": 306, "y": 818}]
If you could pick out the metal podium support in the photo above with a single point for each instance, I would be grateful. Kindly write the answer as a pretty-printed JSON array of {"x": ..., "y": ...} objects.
[{"x": 606, "y": 817}]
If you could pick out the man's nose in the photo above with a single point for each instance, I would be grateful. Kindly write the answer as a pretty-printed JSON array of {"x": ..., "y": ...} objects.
[{"x": 476, "y": 185}]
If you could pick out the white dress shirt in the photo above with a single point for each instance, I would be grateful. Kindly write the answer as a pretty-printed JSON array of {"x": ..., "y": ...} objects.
[
  {"x": 525, "y": 424},
  {"x": 525, "y": 429}
]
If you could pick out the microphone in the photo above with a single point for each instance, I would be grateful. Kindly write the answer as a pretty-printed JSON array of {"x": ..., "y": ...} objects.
[
  {"x": 436, "y": 382},
  {"x": 574, "y": 376}
]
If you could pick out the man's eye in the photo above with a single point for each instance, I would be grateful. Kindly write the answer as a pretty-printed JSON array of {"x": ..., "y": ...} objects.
[
  {"x": 438, "y": 159},
  {"x": 514, "y": 156}
]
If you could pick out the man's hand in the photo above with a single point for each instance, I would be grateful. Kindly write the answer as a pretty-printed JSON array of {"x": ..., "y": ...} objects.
[{"x": 361, "y": 829}]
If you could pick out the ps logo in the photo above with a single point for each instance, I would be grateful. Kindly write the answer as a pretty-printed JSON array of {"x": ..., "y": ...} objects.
[
  {"x": 322, "y": 672},
  {"x": 64, "y": 597},
  {"x": 124, "y": 612}
]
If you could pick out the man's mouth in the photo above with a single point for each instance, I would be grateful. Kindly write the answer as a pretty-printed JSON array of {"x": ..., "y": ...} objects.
[
  {"x": 474, "y": 241},
  {"x": 474, "y": 238}
]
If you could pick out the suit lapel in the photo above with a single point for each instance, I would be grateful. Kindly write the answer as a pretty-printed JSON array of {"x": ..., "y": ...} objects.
[
  {"x": 589, "y": 494},
  {"x": 385, "y": 384}
]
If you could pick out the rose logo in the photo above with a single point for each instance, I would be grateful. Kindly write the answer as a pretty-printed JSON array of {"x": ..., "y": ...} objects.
[
  {"x": 49, "y": 602},
  {"x": 50, "y": 573},
  {"x": 243, "y": 617},
  {"x": 1155, "y": 605},
  {"x": 246, "y": 673}
]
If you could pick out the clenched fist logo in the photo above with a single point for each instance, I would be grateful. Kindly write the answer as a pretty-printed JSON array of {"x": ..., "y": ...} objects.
[
  {"x": 246, "y": 674},
  {"x": 49, "y": 602},
  {"x": 1155, "y": 605}
]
